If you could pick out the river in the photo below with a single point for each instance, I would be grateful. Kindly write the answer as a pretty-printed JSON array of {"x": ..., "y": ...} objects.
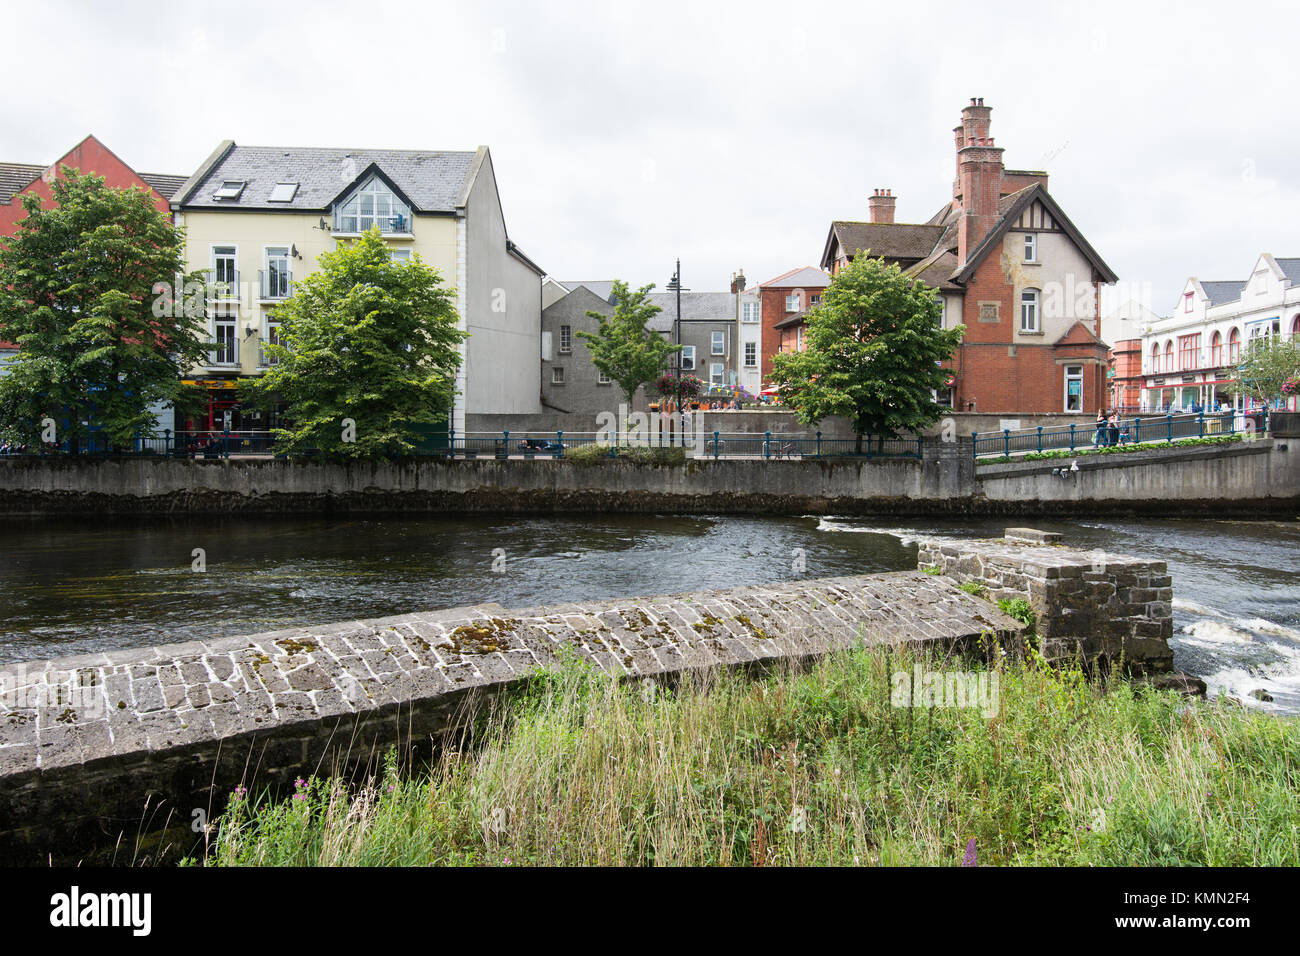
[{"x": 77, "y": 587}]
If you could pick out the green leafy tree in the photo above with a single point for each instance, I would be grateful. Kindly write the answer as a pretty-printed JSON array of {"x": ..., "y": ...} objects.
[
  {"x": 364, "y": 339},
  {"x": 873, "y": 353},
  {"x": 623, "y": 347},
  {"x": 92, "y": 291},
  {"x": 1266, "y": 367}
]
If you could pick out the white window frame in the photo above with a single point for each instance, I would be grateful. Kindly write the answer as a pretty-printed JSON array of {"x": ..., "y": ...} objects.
[
  {"x": 399, "y": 255},
  {"x": 566, "y": 339},
  {"x": 751, "y": 355},
  {"x": 717, "y": 373},
  {"x": 278, "y": 192},
  {"x": 224, "y": 316},
  {"x": 1031, "y": 319},
  {"x": 792, "y": 302},
  {"x": 557, "y": 375},
  {"x": 688, "y": 358},
  {"x": 1071, "y": 375},
  {"x": 749, "y": 312},
  {"x": 361, "y": 221},
  {"x": 602, "y": 378},
  {"x": 288, "y": 264},
  {"x": 1031, "y": 247},
  {"x": 718, "y": 343},
  {"x": 269, "y": 325},
  {"x": 233, "y": 291}
]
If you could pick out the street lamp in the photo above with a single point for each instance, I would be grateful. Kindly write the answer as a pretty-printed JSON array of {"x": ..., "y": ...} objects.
[{"x": 675, "y": 285}]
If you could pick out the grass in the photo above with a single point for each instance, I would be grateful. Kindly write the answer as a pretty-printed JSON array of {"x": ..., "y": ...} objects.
[
  {"x": 1084, "y": 450},
  {"x": 595, "y": 454},
  {"x": 813, "y": 767}
]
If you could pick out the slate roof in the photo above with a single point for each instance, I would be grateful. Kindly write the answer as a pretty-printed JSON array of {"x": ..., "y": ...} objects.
[
  {"x": 603, "y": 288},
  {"x": 1220, "y": 292},
  {"x": 430, "y": 179},
  {"x": 14, "y": 176},
  {"x": 805, "y": 277},
  {"x": 1290, "y": 268},
  {"x": 696, "y": 307},
  {"x": 164, "y": 184},
  {"x": 906, "y": 241}
]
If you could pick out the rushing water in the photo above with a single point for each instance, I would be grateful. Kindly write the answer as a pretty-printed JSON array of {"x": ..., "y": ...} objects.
[{"x": 70, "y": 588}]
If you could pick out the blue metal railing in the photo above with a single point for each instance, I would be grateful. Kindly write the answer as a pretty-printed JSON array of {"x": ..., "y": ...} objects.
[{"x": 1141, "y": 429}]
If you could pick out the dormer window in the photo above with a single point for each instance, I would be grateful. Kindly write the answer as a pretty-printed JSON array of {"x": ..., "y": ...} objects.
[
  {"x": 230, "y": 189},
  {"x": 283, "y": 192},
  {"x": 373, "y": 204}
]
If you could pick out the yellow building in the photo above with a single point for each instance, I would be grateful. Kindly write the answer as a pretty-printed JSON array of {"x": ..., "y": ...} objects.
[{"x": 258, "y": 217}]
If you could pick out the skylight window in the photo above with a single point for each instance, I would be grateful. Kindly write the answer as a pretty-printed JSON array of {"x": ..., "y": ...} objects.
[
  {"x": 283, "y": 192},
  {"x": 230, "y": 189}
]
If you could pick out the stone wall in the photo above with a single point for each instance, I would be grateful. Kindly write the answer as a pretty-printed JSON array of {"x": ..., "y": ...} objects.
[
  {"x": 99, "y": 748},
  {"x": 1101, "y": 607}
]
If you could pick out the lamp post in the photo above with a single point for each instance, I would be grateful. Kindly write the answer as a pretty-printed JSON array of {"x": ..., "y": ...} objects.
[{"x": 675, "y": 285}]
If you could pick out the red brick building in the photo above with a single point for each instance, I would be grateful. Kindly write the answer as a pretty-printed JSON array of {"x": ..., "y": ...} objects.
[
  {"x": 1009, "y": 265},
  {"x": 1125, "y": 376},
  {"x": 89, "y": 156},
  {"x": 783, "y": 303}
]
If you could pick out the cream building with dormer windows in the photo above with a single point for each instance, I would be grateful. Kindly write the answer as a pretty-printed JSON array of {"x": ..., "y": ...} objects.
[{"x": 258, "y": 217}]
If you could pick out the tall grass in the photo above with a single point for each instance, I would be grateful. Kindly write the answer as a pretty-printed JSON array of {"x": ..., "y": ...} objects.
[{"x": 814, "y": 767}]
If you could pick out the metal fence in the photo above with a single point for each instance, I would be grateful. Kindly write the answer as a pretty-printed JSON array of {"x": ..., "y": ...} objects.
[
  {"x": 1140, "y": 429},
  {"x": 170, "y": 444},
  {"x": 717, "y": 445}
]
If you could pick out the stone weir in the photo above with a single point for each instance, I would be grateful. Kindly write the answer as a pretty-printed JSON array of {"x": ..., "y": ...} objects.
[{"x": 95, "y": 750}]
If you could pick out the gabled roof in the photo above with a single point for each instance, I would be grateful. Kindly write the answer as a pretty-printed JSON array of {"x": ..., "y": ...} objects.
[
  {"x": 163, "y": 184},
  {"x": 1079, "y": 334},
  {"x": 604, "y": 288},
  {"x": 804, "y": 277},
  {"x": 1010, "y": 209},
  {"x": 433, "y": 180},
  {"x": 1223, "y": 291},
  {"x": 1290, "y": 268},
  {"x": 696, "y": 306}
]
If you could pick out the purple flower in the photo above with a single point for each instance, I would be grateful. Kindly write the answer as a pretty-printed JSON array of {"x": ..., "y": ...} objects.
[
  {"x": 300, "y": 783},
  {"x": 970, "y": 858},
  {"x": 300, "y": 796}
]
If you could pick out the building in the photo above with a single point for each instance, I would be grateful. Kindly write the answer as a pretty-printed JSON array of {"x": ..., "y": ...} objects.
[
  {"x": 783, "y": 303},
  {"x": 1124, "y": 376},
  {"x": 749, "y": 336},
  {"x": 572, "y": 384},
  {"x": 1008, "y": 264},
  {"x": 89, "y": 156},
  {"x": 258, "y": 217},
  {"x": 1190, "y": 358}
]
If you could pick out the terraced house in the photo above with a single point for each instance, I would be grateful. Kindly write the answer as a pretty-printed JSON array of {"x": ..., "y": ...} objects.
[
  {"x": 1009, "y": 264},
  {"x": 258, "y": 217}
]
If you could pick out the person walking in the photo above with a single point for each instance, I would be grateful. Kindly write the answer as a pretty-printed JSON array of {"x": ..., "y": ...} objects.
[{"x": 1099, "y": 437}]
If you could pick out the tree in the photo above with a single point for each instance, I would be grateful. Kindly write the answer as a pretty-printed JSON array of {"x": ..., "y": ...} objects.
[
  {"x": 1266, "y": 367},
  {"x": 873, "y": 353},
  {"x": 86, "y": 293},
  {"x": 364, "y": 339},
  {"x": 623, "y": 347}
]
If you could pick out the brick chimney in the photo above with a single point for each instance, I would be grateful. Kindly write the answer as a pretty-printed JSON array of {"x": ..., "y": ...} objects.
[
  {"x": 738, "y": 282},
  {"x": 881, "y": 206},
  {"x": 979, "y": 178}
]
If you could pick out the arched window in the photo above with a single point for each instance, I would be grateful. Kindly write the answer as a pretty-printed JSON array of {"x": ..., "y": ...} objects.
[
  {"x": 1169, "y": 356},
  {"x": 1216, "y": 349},
  {"x": 1029, "y": 311},
  {"x": 1155, "y": 357},
  {"x": 1234, "y": 345},
  {"x": 1295, "y": 327}
]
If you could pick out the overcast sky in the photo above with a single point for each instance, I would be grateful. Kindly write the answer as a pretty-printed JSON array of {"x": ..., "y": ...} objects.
[{"x": 627, "y": 134}]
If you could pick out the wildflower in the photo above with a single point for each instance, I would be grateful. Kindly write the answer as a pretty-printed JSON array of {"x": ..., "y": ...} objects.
[{"x": 970, "y": 858}]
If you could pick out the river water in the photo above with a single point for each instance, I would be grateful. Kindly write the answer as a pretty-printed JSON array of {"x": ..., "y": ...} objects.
[{"x": 76, "y": 587}]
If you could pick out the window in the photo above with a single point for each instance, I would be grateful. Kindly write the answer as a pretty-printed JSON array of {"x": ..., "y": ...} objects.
[
  {"x": 373, "y": 204},
  {"x": 271, "y": 337},
  {"x": 1187, "y": 301},
  {"x": 1189, "y": 352},
  {"x": 751, "y": 355},
  {"x": 400, "y": 255},
  {"x": 1216, "y": 349},
  {"x": 1074, "y": 388},
  {"x": 792, "y": 302},
  {"x": 749, "y": 312},
  {"x": 224, "y": 273},
  {"x": 798, "y": 339},
  {"x": 688, "y": 357},
  {"x": 276, "y": 278},
  {"x": 225, "y": 331},
  {"x": 1029, "y": 311},
  {"x": 719, "y": 343},
  {"x": 1031, "y": 247},
  {"x": 566, "y": 338},
  {"x": 943, "y": 397},
  {"x": 602, "y": 378},
  {"x": 1234, "y": 346},
  {"x": 1169, "y": 356},
  {"x": 283, "y": 192},
  {"x": 557, "y": 375},
  {"x": 230, "y": 189},
  {"x": 715, "y": 373},
  {"x": 814, "y": 301},
  {"x": 1155, "y": 357}
]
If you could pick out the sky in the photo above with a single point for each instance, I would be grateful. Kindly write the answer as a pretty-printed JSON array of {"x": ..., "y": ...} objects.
[{"x": 625, "y": 135}]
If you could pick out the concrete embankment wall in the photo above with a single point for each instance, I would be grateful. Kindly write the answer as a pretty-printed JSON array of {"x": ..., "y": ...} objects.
[{"x": 1246, "y": 478}]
